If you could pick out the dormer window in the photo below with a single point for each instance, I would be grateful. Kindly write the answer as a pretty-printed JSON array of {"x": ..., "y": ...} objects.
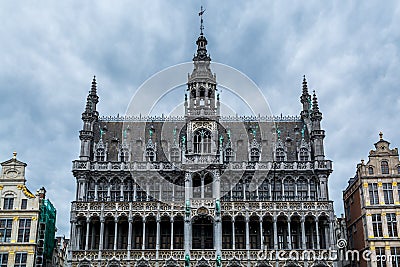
[
  {"x": 370, "y": 170},
  {"x": 100, "y": 154},
  {"x": 385, "y": 167},
  {"x": 280, "y": 154},
  {"x": 150, "y": 154},
  {"x": 202, "y": 92},
  {"x": 202, "y": 141},
  {"x": 8, "y": 202},
  {"x": 303, "y": 154},
  {"x": 254, "y": 155}
]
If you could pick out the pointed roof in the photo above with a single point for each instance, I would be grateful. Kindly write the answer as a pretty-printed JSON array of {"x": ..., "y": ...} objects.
[{"x": 13, "y": 161}]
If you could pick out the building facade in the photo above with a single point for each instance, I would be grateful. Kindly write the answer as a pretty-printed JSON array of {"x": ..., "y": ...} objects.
[
  {"x": 371, "y": 203},
  {"x": 19, "y": 217},
  {"x": 202, "y": 189}
]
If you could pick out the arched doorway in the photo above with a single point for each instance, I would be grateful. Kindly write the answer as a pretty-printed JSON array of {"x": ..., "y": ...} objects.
[{"x": 203, "y": 233}]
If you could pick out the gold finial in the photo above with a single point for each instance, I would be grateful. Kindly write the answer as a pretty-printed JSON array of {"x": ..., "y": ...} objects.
[
  {"x": 380, "y": 135},
  {"x": 14, "y": 155}
]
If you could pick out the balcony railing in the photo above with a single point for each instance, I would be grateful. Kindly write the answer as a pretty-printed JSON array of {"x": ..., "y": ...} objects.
[{"x": 234, "y": 166}]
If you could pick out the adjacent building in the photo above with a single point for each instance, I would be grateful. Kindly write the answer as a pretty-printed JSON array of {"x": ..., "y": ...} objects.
[
  {"x": 20, "y": 216},
  {"x": 201, "y": 189},
  {"x": 372, "y": 207}
]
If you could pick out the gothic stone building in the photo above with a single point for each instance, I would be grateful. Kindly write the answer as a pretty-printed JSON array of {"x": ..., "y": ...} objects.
[{"x": 201, "y": 189}]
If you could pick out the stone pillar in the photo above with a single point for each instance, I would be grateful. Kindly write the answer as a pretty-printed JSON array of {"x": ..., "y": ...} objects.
[
  {"x": 144, "y": 234},
  {"x": 247, "y": 232},
  {"x": 289, "y": 235},
  {"x": 233, "y": 234},
  {"x": 261, "y": 235},
  {"x": 96, "y": 198},
  {"x": 275, "y": 233},
  {"x": 130, "y": 222},
  {"x": 115, "y": 232},
  {"x": 172, "y": 234},
  {"x": 308, "y": 189},
  {"x": 158, "y": 234},
  {"x": 134, "y": 191},
  {"x": 317, "y": 232},
  {"x": 73, "y": 235},
  {"x": 202, "y": 186},
  {"x": 87, "y": 234},
  {"x": 101, "y": 233},
  {"x": 331, "y": 234},
  {"x": 79, "y": 232},
  {"x": 303, "y": 234}
]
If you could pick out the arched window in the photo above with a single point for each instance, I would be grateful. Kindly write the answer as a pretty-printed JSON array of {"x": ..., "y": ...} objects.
[
  {"x": 228, "y": 155},
  {"x": 202, "y": 141},
  {"x": 276, "y": 189},
  {"x": 124, "y": 155},
  {"x": 302, "y": 189},
  {"x": 263, "y": 190},
  {"x": 100, "y": 154},
  {"x": 313, "y": 189},
  {"x": 102, "y": 190},
  {"x": 280, "y": 154},
  {"x": 91, "y": 190},
  {"x": 289, "y": 188},
  {"x": 370, "y": 170},
  {"x": 150, "y": 154},
  {"x": 174, "y": 155},
  {"x": 202, "y": 92},
  {"x": 385, "y": 167},
  {"x": 115, "y": 189},
  {"x": 8, "y": 202},
  {"x": 254, "y": 155},
  {"x": 398, "y": 169},
  {"x": 303, "y": 154}
]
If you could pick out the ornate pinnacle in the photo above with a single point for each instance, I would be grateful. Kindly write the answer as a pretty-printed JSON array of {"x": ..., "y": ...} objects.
[
  {"x": 380, "y": 136},
  {"x": 315, "y": 102},
  {"x": 305, "y": 87},
  {"x": 93, "y": 90}
]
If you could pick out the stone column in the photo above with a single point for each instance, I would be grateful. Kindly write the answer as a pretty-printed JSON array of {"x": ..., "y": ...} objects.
[
  {"x": 233, "y": 234},
  {"x": 275, "y": 233},
  {"x": 289, "y": 236},
  {"x": 303, "y": 234},
  {"x": 331, "y": 234},
  {"x": 172, "y": 234},
  {"x": 130, "y": 222},
  {"x": 158, "y": 234},
  {"x": 95, "y": 192},
  {"x": 121, "y": 197},
  {"x": 202, "y": 186},
  {"x": 115, "y": 232},
  {"x": 101, "y": 233},
  {"x": 247, "y": 232},
  {"x": 144, "y": 234},
  {"x": 87, "y": 234},
  {"x": 73, "y": 235},
  {"x": 79, "y": 232},
  {"x": 261, "y": 235},
  {"x": 134, "y": 192},
  {"x": 317, "y": 232},
  {"x": 308, "y": 189}
]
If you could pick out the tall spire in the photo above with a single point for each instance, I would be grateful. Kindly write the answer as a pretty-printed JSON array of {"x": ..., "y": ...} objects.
[
  {"x": 92, "y": 98},
  {"x": 305, "y": 87},
  {"x": 315, "y": 107},
  {"x": 201, "y": 42}
]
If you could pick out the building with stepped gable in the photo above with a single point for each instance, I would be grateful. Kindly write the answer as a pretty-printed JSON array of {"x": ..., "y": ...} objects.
[{"x": 202, "y": 189}]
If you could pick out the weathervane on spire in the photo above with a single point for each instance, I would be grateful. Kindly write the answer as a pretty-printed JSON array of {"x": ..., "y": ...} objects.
[{"x": 201, "y": 20}]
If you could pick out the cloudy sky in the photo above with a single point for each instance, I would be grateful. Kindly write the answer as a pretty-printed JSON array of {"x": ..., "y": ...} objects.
[{"x": 50, "y": 50}]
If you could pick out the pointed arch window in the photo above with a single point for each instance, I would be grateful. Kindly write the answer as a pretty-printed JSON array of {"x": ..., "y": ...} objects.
[
  {"x": 150, "y": 155},
  {"x": 254, "y": 155},
  {"x": 398, "y": 169},
  {"x": 202, "y": 141},
  {"x": 115, "y": 190},
  {"x": 202, "y": 92},
  {"x": 263, "y": 190},
  {"x": 289, "y": 188},
  {"x": 385, "y": 167},
  {"x": 102, "y": 190},
  {"x": 100, "y": 154},
  {"x": 313, "y": 189},
  {"x": 303, "y": 154},
  {"x": 302, "y": 189},
  {"x": 174, "y": 155},
  {"x": 228, "y": 155},
  {"x": 280, "y": 154},
  {"x": 124, "y": 155},
  {"x": 91, "y": 185}
]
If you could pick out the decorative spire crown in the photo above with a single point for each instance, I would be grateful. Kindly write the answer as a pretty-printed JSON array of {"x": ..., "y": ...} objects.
[
  {"x": 305, "y": 87},
  {"x": 315, "y": 102},
  {"x": 201, "y": 41}
]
